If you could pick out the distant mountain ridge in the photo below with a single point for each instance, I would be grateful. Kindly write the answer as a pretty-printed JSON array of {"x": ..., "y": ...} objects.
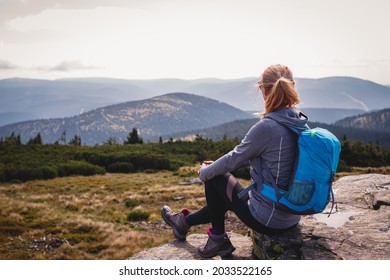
[
  {"x": 153, "y": 117},
  {"x": 183, "y": 115},
  {"x": 330, "y": 92},
  {"x": 26, "y": 99},
  {"x": 238, "y": 129},
  {"x": 343, "y": 92},
  {"x": 327, "y": 115},
  {"x": 29, "y": 99},
  {"x": 378, "y": 120}
]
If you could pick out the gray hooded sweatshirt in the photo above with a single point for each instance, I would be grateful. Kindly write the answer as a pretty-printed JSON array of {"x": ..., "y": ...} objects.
[{"x": 268, "y": 143}]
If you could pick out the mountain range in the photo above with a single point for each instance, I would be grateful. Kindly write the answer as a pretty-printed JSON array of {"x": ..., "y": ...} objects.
[
  {"x": 370, "y": 127},
  {"x": 153, "y": 117},
  {"x": 180, "y": 115},
  {"x": 377, "y": 120},
  {"x": 99, "y": 109},
  {"x": 29, "y": 99}
]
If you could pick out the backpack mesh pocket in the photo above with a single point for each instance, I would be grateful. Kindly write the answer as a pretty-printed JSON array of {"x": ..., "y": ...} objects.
[{"x": 300, "y": 193}]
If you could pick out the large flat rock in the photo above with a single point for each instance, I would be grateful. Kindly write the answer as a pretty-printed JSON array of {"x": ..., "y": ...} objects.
[
  {"x": 187, "y": 250},
  {"x": 358, "y": 229}
]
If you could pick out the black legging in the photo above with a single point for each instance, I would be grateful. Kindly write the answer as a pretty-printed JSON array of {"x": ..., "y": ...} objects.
[{"x": 217, "y": 192}]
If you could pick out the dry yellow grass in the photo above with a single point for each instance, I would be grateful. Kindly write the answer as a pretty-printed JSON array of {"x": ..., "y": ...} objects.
[
  {"x": 365, "y": 170},
  {"x": 86, "y": 217}
]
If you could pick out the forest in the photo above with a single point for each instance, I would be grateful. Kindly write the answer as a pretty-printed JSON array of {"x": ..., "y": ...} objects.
[{"x": 34, "y": 160}]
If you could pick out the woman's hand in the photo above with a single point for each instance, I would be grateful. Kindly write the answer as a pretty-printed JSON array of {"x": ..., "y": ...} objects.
[{"x": 205, "y": 164}]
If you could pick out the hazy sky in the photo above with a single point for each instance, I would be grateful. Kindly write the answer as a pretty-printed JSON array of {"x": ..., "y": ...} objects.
[{"x": 194, "y": 39}]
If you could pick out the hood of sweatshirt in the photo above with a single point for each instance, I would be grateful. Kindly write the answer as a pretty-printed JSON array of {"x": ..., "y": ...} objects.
[{"x": 290, "y": 117}]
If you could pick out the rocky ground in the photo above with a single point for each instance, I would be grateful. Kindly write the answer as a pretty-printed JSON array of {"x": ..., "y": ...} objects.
[{"x": 359, "y": 228}]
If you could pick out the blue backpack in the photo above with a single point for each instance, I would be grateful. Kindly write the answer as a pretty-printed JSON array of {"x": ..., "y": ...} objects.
[{"x": 311, "y": 188}]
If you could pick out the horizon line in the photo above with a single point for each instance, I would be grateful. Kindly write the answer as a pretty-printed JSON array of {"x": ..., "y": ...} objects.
[{"x": 173, "y": 78}]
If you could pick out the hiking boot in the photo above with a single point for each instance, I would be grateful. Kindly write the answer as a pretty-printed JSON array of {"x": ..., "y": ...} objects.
[
  {"x": 176, "y": 221},
  {"x": 216, "y": 245}
]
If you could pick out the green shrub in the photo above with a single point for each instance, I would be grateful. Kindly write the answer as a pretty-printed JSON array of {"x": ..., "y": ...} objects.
[
  {"x": 79, "y": 168},
  {"x": 343, "y": 167},
  {"x": 2, "y": 175},
  {"x": 130, "y": 203},
  {"x": 49, "y": 172},
  {"x": 138, "y": 215},
  {"x": 120, "y": 167},
  {"x": 25, "y": 173}
]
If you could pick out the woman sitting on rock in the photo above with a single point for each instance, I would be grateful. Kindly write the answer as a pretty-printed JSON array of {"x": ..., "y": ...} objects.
[{"x": 271, "y": 142}]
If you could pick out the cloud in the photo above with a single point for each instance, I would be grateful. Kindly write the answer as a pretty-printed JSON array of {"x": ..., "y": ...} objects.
[
  {"x": 6, "y": 65},
  {"x": 67, "y": 66},
  {"x": 375, "y": 62},
  {"x": 64, "y": 66},
  {"x": 11, "y": 9}
]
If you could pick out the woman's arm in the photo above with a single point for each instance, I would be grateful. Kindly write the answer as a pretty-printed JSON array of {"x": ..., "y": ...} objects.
[{"x": 252, "y": 145}]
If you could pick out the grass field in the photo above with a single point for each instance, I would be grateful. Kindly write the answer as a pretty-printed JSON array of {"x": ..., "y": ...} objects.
[
  {"x": 87, "y": 217},
  {"x": 110, "y": 216}
]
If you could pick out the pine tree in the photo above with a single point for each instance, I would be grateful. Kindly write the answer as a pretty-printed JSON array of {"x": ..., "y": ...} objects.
[
  {"x": 62, "y": 138},
  {"x": 111, "y": 141},
  {"x": 37, "y": 140},
  {"x": 12, "y": 139},
  {"x": 76, "y": 141},
  {"x": 133, "y": 138}
]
